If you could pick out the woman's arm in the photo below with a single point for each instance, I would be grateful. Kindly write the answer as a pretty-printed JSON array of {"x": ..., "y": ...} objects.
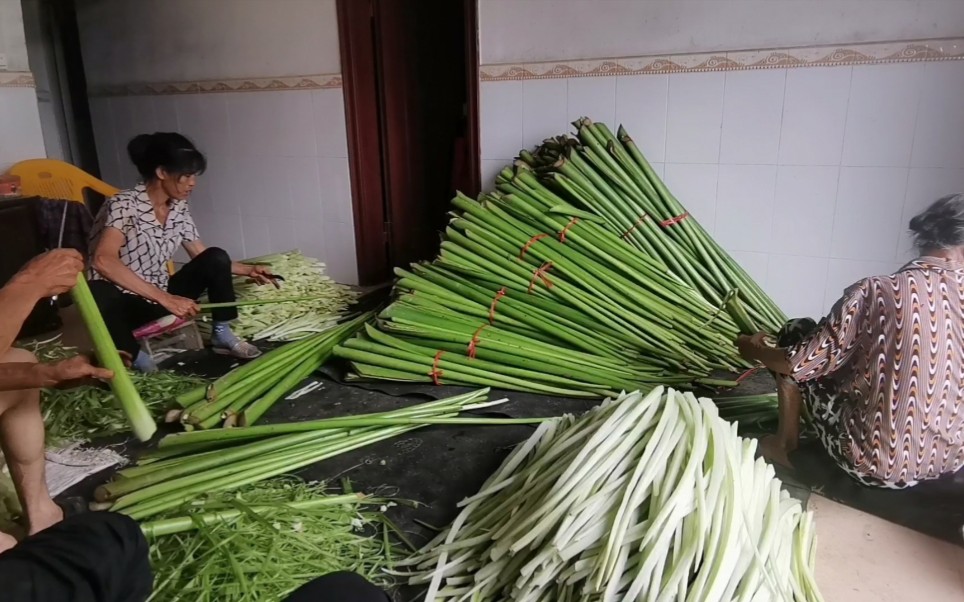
[
  {"x": 259, "y": 274},
  {"x": 755, "y": 349},
  {"x": 108, "y": 264}
]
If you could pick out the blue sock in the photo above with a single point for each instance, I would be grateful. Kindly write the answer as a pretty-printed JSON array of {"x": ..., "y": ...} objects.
[
  {"x": 222, "y": 335},
  {"x": 144, "y": 363}
]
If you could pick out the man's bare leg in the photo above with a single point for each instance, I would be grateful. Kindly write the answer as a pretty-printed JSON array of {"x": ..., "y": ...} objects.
[
  {"x": 777, "y": 448},
  {"x": 22, "y": 439}
]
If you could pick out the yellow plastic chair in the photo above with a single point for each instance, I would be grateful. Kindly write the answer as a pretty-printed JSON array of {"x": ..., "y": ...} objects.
[{"x": 52, "y": 179}]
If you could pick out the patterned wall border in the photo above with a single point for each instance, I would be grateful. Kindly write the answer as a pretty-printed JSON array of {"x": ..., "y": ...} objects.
[
  {"x": 247, "y": 84},
  {"x": 815, "y": 56},
  {"x": 17, "y": 79}
]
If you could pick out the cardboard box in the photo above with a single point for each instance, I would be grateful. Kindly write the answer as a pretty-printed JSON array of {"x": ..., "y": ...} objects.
[{"x": 9, "y": 186}]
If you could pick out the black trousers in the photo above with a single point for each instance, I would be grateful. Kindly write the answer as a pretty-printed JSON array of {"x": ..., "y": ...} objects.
[
  {"x": 123, "y": 312},
  {"x": 95, "y": 557},
  {"x": 103, "y": 557}
]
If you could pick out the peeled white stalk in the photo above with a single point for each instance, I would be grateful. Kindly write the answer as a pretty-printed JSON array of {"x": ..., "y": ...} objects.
[{"x": 649, "y": 498}]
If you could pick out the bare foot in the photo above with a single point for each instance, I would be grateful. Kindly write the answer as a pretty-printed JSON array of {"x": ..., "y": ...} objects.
[
  {"x": 48, "y": 516},
  {"x": 6, "y": 542},
  {"x": 774, "y": 450}
]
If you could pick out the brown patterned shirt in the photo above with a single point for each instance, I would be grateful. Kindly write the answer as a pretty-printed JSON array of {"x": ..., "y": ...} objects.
[{"x": 892, "y": 351}]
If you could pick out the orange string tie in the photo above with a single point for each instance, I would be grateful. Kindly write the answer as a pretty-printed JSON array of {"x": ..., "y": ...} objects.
[
  {"x": 473, "y": 344},
  {"x": 495, "y": 302},
  {"x": 572, "y": 222},
  {"x": 436, "y": 372},
  {"x": 540, "y": 274},
  {"x": 674, "y": 220},
  {"x": 641, "y": 219},
  {"x": 528, "y": 245}
]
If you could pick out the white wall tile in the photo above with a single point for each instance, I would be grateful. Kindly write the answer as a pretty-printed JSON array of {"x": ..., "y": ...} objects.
[
  {"x": 755, "y": 264},
  {"x": 939, "y": 138},
  {"x": 593, "y": 97},
  {"x": 641, "y": 105},
  {"x": 544, "y": 115},
  {"x": 797, "y": 284},
  {"x": 924, "y": 186},
  {"x": 224, "y": 231},
  {"x": 204, "y": 119},
  {"x": 490, "y": 169},
  {"x": 20, "y": 134},
  {"x": 500, "y": 119},
  {"x": 842, "y": 273},
  {"x": 694, "y": 117},
  {"x": 310, "y": 238},
  {"x": 744, "y": 216},
  {"x": 305, "y": 189},
  {"x": 297, "y": 113},
  {"x": 814, "y": 115},
  {"x": 254, "y": 124},
  {"x": 695, "y": 184},
  {"x": 256, "y": 235},
  {"x": 282, "y": 234},
  {"x": 340, "y": 253},
  {"x": 165, "y": 113},
  {"x": 221, "y": 185},
  {"x": 250, "y": 189},
  {"x": 330, "y": 127},
  {"x": 867, "y": 221},
  {"x": 804, "y": 206},
  {"x": 752, "y": 114},
  {"x": 880, "y": 116},
  {"x": 336, "y": 193}
]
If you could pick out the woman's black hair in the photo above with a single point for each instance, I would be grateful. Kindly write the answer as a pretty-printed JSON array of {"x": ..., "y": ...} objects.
[
  {"x": 940, "y": 226},
  {"x": 170, "y": 151}
]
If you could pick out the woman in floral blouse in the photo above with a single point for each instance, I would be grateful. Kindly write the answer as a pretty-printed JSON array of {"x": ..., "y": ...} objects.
[{"x": 882, "y": 376}]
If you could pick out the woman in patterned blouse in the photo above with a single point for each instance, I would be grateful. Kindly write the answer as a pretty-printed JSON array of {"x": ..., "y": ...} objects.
[
  {"x": 882, "y": 377},
  {"x": 135, "y": 235}
]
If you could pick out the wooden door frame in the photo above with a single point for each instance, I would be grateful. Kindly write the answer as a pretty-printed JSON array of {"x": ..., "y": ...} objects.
[{"x": 366, "y": 154}]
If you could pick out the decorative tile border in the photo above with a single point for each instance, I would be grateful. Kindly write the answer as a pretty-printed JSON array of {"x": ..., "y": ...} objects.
[
  {"x": 248, "y": 84},
  {"x": 816, "y": 56},
  {"x": 17, "y": 79}
]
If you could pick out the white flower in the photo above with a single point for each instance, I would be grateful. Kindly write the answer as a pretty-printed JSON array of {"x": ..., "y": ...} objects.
[{"x": 298, "y": 527}]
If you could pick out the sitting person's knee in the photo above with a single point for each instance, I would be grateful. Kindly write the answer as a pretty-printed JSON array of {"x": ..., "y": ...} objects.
[
  {"x": 15, "y": 355},
  {"x": 217, "y": 257}
]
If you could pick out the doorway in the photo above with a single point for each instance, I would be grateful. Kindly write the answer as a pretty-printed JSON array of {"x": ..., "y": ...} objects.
[{"x": 410, "y": 71}]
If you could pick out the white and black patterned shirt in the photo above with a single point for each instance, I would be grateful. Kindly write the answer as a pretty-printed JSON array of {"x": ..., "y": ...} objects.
[{"x": 148, "y": 245}]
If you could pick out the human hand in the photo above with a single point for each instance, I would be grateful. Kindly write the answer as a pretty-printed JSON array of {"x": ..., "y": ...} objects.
[
  {"x": 52, "y": 273},
  {"x": 73, "y": 372},
  {"x": 749, "y": 346},
  {"x": 182, "y": 307},
  {"x": 262, "y": 275}
]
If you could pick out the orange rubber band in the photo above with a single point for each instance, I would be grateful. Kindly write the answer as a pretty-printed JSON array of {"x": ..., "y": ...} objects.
[
  {"x": 528, "y": 245},
  {"x": 436, "y": 373},
  {"x": 572, "y": 222},
  {"x": 674, "y": 220},
  {"x": 641, "y": 219},
  {"x": 540, "y": 274},
  {"x": 473, "y": 344},
  {"x": 495, "y": 302},
  {"x": 747, "y": 374}
]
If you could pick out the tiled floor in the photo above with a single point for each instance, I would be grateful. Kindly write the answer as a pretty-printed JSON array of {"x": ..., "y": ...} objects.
[{"x": 862, "y": 558}]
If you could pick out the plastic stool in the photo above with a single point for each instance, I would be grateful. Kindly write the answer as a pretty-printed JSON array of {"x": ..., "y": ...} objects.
[{"x": 161, "y": 338}]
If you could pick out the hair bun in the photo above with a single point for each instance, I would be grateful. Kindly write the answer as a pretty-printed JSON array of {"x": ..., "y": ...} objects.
[
  {"x": 941, "y": 225},
  {"x": 139, "y": 148}
]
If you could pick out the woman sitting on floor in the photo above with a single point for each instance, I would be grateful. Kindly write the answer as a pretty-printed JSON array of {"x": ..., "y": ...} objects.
[
  {"x": 882, "y": 377},
  {"x": 135, "y": 235}
]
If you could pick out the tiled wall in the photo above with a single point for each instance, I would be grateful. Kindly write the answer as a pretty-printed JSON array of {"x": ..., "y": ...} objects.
[
  {"x": 20, "y": 134},
  {"x": 277, "y": 173},
  {"x": 808, "y": 176}
]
